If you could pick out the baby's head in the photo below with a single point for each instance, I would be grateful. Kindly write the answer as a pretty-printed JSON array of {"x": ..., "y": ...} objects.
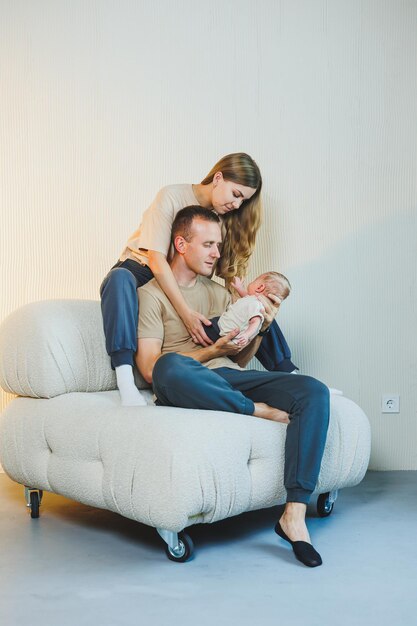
[{"x": 270, "y": 282}]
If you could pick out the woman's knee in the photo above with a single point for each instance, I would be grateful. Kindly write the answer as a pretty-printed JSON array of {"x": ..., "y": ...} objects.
[{"x": 119, "y": 280}]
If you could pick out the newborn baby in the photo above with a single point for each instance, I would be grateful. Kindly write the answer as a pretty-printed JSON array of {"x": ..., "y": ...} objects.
[{"x": 247, "y": 312}]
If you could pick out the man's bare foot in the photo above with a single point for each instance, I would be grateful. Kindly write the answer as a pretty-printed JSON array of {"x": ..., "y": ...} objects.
[
  {"x": 270, "y": 413},
  {"x": 293, "y": 522}
]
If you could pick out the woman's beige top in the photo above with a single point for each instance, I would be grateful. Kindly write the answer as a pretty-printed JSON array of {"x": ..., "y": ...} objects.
[{"x": 154, "y": 233}]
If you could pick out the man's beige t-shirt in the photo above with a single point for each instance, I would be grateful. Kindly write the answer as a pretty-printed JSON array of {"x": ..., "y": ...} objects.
[
  {"x": 154, "y": 233},
  {"x": 159, "y": 320}
]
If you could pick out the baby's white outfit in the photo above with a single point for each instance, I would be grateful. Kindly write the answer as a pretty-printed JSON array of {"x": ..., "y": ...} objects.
[{"x": 239, "y": 313}]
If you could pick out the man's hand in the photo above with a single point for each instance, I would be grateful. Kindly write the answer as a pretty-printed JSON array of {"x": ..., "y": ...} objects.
[
  {"x": 225, "y": 346},
  {"x": 271, "y": 304}
]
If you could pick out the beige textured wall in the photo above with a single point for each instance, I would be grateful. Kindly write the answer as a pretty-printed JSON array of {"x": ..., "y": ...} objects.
[{"x": 103, "y": 102}]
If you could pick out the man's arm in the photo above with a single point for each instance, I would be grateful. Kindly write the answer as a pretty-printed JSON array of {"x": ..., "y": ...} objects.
[
  {"x": 149, "y": 351},
  {"x": 243, "y": 358},
  {"x": 224, "y": 346}
]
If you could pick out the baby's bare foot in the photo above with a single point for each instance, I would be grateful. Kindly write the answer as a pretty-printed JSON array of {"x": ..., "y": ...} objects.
[{"x": 241, "y": 340}]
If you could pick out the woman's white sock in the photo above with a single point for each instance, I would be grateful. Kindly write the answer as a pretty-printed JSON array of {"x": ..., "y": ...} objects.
[{"x": 129, "y": 393}]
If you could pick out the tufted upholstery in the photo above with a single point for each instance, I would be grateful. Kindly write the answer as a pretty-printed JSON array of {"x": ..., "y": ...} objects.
[
  {"x": 55, "y": 346},
  {"x": 165, "y": 467}
]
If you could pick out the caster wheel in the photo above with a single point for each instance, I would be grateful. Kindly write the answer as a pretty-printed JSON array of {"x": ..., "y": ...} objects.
[
  {"x": 324, "y": 506},
  {"x": 184, "y": 550},
  {"x": 34, "y": 504}
]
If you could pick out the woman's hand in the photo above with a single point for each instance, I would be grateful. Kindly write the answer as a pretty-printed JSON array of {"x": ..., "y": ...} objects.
[
  {"x": 194, "y": 323},
  {"x": 271, "y": 305}
]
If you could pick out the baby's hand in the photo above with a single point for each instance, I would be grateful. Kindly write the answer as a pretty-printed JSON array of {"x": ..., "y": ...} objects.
[{"x": 238, "y": 284}]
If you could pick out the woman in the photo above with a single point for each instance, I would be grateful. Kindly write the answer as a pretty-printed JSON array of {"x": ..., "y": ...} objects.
[{"x": 232, "y": 189}]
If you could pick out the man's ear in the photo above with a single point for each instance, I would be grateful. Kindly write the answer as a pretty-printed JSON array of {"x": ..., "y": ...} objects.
[{"x": 180, "y": 244}]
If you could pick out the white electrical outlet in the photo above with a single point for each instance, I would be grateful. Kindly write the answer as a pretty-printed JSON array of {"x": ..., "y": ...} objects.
[{"x": 390, "y": 403}]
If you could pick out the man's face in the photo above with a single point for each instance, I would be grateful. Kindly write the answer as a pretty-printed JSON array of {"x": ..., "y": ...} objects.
[{"x": 202, "y": 249}]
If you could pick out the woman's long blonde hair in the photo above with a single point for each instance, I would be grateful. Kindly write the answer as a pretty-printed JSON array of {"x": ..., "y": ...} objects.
[{"x": 240, "y": 225}]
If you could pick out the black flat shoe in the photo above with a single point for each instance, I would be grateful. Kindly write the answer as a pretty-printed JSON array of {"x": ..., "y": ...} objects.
[{"x": 303, "y": 551}]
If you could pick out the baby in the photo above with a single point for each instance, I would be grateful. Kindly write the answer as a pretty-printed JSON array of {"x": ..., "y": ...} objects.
[{"x": 247, "y": 312}]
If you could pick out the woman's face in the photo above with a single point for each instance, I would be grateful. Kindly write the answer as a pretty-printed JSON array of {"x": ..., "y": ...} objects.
[{"x": 227, "y": 196}]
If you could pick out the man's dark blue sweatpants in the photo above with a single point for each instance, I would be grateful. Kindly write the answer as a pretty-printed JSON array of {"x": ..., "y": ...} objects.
[{"x": 184, "y": 382}]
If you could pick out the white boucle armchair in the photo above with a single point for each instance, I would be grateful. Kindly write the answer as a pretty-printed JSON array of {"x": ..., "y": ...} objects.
[{"x": 166, "y": 467}]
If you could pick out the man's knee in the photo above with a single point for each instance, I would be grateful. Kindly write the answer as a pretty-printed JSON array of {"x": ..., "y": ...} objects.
[
  {"x": 169, "y": 369},
  {"x": 315, "y": 388},
  {"x": 314, "y": 392}
]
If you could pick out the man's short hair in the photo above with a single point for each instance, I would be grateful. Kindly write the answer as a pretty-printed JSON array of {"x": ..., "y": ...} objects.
[{"x": 183, "y": 221}]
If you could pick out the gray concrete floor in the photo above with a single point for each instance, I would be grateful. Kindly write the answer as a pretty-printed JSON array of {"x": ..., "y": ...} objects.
[{"x": 80, "y": 565}]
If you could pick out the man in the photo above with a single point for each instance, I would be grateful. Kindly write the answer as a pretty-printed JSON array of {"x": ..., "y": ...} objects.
[{"x": 169, "y": 359}]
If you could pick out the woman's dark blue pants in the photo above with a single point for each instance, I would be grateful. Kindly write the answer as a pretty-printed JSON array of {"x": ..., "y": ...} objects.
[
  {"x": 120, "y": 309},
  {"x": 224, "y": 389}
]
